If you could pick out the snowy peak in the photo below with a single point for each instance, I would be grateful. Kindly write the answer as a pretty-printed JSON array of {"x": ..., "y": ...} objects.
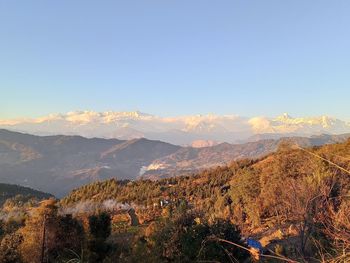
[
  {"x": 284, "y": 117},
  {"x": 82, "y": 117},
  {"x": 177, "y": 130},
  {"x": 314, "y": 124}
]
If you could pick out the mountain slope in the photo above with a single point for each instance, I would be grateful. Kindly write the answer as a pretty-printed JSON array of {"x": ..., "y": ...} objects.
[
  {"x": 191, "y": 159},
  {"x": 191, "y": 188},
  {"x": 8, "y": 191},
  {"x": 57, "y": 164}
]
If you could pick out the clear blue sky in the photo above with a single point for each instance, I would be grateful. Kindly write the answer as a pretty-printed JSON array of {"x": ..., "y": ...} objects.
[{"x": 175, "y": 57}]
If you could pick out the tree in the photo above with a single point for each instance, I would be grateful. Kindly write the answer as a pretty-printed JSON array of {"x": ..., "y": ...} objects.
[
  {"x": 245, "y": 190},
  {"x": 35, "y": 243},
  {"x": 2, "y": 228},
  {"x": 9, "y": 252},
  {"x": 68, "y": 238},
  {"x": 185, "y": 239},
  {"x": 99, "y": 231},
  {"x": 215, "y": 250}
]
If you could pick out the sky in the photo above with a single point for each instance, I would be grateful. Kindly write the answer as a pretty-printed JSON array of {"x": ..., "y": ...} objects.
[{"x": 179, "y": 57}]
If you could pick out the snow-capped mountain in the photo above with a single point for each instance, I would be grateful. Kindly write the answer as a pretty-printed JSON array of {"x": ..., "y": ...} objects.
[{"x": 182, "y": 130}]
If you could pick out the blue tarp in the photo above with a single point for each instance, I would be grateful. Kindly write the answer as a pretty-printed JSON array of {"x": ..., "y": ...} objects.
[{"x": 254, "y": 244}]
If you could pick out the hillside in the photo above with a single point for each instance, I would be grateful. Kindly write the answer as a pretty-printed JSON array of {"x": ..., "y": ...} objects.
[
  {"x": 190, "y": 159},
  {"x": 209, "y": 182},
  {"x": 285, "y": 200},
  {"x": 293, "y": 203},
  {"x": 8, "y": 191},
  {"x": 57, "y": 164}
]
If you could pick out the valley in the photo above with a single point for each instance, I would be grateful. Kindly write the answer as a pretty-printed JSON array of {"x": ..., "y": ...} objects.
[
  {"x": 265, "y": 200},
  {"x": 57, "y": 164}
]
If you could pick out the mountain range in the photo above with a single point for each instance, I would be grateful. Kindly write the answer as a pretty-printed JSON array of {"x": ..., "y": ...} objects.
[
  {"x": 59, "y": 163},
  {"x": 196, "y": 130}
]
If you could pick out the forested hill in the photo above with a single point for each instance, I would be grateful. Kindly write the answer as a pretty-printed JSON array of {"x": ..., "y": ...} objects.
[
  {"x": 8, "y": 191},
  {"x": 294, "y": 201},
  {"x": 57, "y": 164},
  {"x": 260, "y": 182}
]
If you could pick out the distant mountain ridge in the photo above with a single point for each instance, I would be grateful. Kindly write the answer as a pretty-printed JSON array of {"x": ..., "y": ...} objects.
[
  {"x": 189, "y": 159},
  {"x": 57, "y": 164},
  {"x": 181, "y": 130}
]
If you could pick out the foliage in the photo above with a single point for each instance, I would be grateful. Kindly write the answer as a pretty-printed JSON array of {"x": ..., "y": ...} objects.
[
  {"x": 22, "y": 194},
  {"x": 99, "y": 231},
  {"x": 183, "y": 239},
  {"x": 9, "y": 245},
  {"x": 299, "y": 195}
]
